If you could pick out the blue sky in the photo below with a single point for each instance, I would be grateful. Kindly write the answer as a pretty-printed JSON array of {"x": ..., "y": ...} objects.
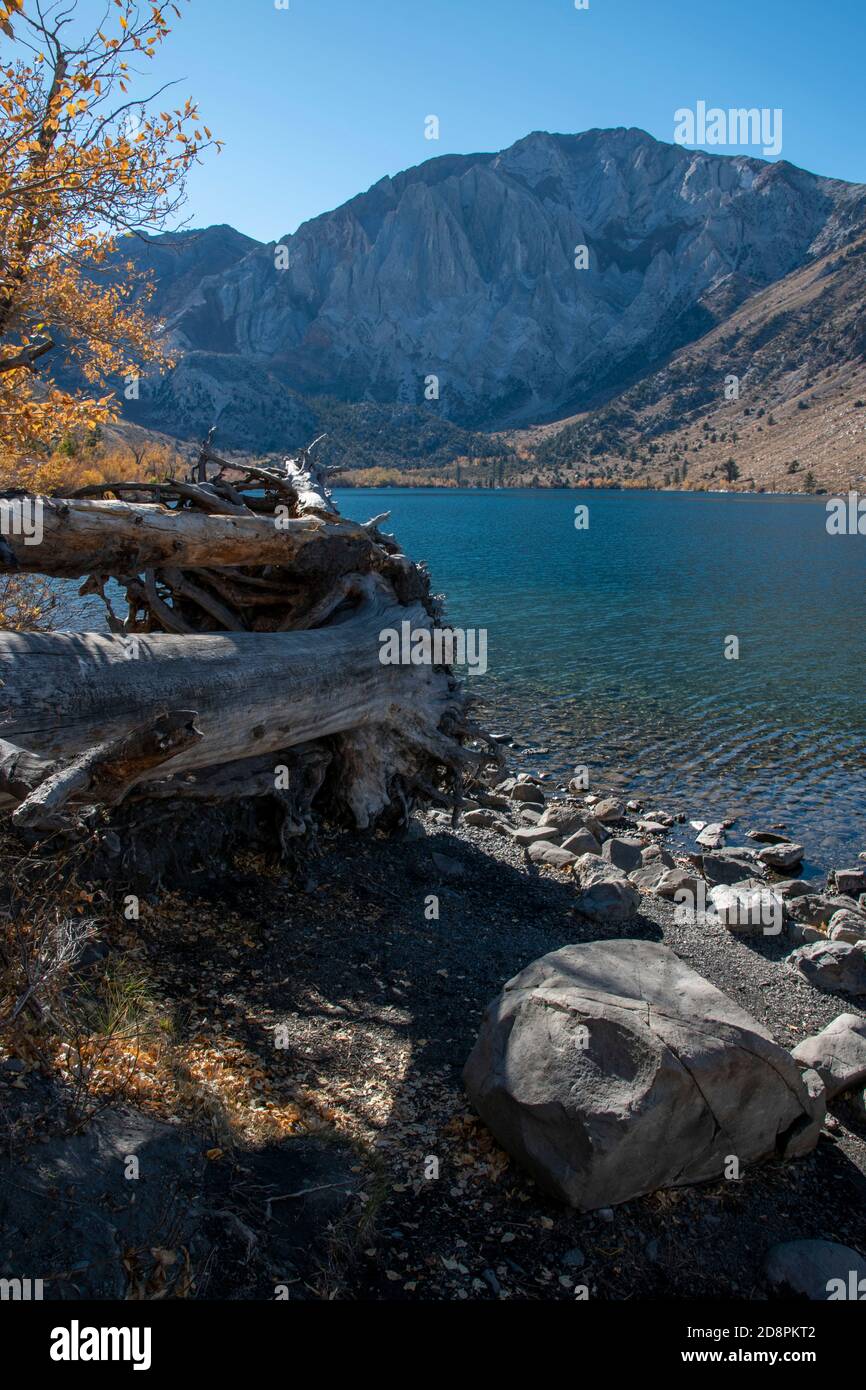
[{"x": 317, "y": 102}]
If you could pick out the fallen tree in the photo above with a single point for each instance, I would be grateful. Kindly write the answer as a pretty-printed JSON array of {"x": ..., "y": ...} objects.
[{"x": 247, "y": 664}]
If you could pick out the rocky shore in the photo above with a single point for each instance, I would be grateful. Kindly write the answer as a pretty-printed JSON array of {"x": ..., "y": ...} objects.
[
  {"x": 381, "y": 965},
  {"x": 610, "y": 1070}
]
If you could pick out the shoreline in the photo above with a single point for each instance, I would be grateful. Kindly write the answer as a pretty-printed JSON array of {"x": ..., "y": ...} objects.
[{"x": 340, "y": 482}]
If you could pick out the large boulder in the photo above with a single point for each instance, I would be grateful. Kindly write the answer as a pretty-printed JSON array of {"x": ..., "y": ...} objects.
[{"x": 612, "y": 1069}]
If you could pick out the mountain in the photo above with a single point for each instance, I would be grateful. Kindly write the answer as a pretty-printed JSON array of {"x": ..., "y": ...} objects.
[
  {"x": 464, "y": 269},
  {"x": 778, "y": 389},
  {"x": 180, "y": 262}
]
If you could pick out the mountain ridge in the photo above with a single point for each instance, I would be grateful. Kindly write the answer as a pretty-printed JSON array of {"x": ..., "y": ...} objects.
[{"x": 461, "y": 273}]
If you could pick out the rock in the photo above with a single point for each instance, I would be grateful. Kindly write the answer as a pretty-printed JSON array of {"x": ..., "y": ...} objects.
[
  {"x": 712, "y": 836},
  {"x": 847, "y": 926},
  {"x": 652, "y": 827},
  {"x": 748, "y": 910},
  {"x": 814, "y": 909},
  {"x": 782, "y": 857},
  {"x": 527, "y": 791},
  {"x": 632, "y": 806},
  {"x": 497, "y": 801},
  {"x": 676, "y": 881},
  {"x": 698, "y": 824},
  {"x": 612, "y": 1069},
  {"x": 480, "y": 817},
  {"x": 568, "y": 819},
  {"x": 802, "y": 935},
  {"x": 727, "y": 868},
  {"x": 850, "y": 882},
  {"x": 817, "y": 1091},
  {"x": 837, "y": 1054},
  {"x": 625, "y": 854},
  {"x": 647, "y": 878},
  {"x": 582, "y": 842},
  {"x": 528, "y": 834},
  {"x": 767, "y": 837},
  {"x": 834, "y": 967},
  {"x": 655, "y": 853},
  {"x": 820, "y": 1270},
  {"x": 543, "y": 852},
  {"x": 575, "y": 1259},
  {"x": 609, "y": 810},
  {"x": 605, "y": 892},
  {"x": 792, "y": 888},
  {"x": 527, "y": 816},
  {"x": 660, "y": 817}
]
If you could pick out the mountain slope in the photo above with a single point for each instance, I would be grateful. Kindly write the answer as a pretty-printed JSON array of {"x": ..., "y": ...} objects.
[
  {"x": 464, "y": 269},
  {"x": 798, "y": 353},
  {"x": 180, "y": 263}
]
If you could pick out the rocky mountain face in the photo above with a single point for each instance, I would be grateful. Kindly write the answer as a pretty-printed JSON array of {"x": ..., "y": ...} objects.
[
  {"x": 179, "y": 262},
  {"x": 464, "y": 269},
  {"x": 773, "y": 395}
]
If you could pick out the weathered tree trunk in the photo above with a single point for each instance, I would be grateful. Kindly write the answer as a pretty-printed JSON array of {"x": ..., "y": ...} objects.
[{"x": 248, "y": 663}]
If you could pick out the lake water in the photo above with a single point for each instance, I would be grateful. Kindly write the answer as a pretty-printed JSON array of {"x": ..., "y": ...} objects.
[{"x": 606, "y": 646}]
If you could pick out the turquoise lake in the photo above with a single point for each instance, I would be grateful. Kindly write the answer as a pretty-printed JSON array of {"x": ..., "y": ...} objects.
[{"x": 606, "y": 646}]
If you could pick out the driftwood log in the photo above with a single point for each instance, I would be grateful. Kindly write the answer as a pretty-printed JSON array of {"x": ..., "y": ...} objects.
[{"x": 247, "y": 663}]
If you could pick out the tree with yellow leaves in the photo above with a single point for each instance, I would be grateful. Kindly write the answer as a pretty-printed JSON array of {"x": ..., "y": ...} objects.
[{"x": 83, "y": 161}]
